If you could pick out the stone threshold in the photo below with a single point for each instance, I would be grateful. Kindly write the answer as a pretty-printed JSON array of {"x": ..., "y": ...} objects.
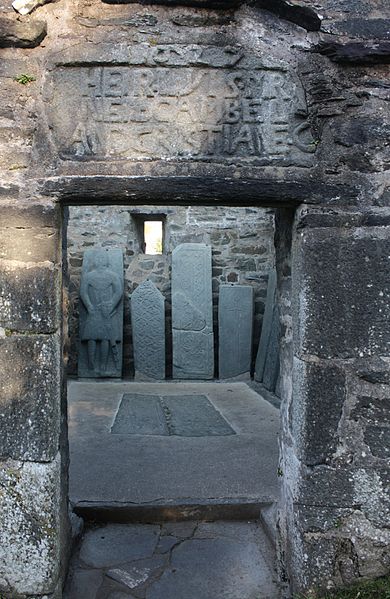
[{"x": 232, "y": 509}]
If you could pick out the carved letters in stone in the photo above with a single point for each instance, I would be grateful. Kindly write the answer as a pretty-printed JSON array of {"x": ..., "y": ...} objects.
[
  {"x": 148, "y": 329},
  {"x": 184, "y": 102},
  {"x": 101, "y": 314},
  {"x": 192, "y": 312}
]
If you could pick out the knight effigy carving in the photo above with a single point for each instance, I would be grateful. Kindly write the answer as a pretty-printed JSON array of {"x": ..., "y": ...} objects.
[{"x": 101, "y": 314}]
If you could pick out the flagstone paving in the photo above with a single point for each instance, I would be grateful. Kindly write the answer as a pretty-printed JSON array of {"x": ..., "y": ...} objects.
[{"x": 175, "y": 560}]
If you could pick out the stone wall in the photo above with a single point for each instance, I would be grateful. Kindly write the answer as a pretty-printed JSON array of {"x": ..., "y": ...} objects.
[
  {"x": 295, "y": 117},
  {"x": 242, "y": 252}
]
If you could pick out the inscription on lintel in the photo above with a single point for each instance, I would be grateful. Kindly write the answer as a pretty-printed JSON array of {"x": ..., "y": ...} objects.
[{"x": 139, "y": 113}]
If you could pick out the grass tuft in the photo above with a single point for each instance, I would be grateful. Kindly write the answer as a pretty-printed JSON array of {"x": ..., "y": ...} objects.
[{"x": 373, "y": 589}]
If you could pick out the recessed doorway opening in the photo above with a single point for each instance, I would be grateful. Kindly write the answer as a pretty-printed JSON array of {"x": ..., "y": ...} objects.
[{"x": 171, "y": 448}]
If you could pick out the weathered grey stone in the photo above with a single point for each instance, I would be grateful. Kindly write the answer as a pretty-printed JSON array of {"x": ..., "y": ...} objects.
[
  {"x": 235, "y": 330},
  {"x": 194, "y": 416},
  {"x": 266, "y": 327},
  {"x": 85, "y": 584},
  {"x": 140, "y": 573},
  {"x": 30, "y": 397},
  {"x": 30, "y": 297},
  {"x": 371, "y": 409},
  {"x": 158, "y": 189},
  {"x": 272, "y": 360},
  {"x": 101, "y": 314},
  {"x": 166, "y": 543},
  {"x": 319, "y": 391},
  {"x": 192, "y": 314},
  {"x": 378, "y": 440},
  {"x": 140, "y": 415},
  {"x": 30, "y": 529},
  {"x": 26, "y": 34},
  {"x": 345, "y": 297},
  {"x": 325, "y": 486},
  {"x": 117, "y": 544},
  {"x": 255, "y": 113},
  {"x": 183, "y": 415},
  {"x": 148, "y": 328},
  {"x": 217, "y": 567}
]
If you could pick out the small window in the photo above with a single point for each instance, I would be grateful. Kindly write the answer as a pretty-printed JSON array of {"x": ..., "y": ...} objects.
[
  {"x": 153, "y": 236},
  {"x": 150, "y": 232}
]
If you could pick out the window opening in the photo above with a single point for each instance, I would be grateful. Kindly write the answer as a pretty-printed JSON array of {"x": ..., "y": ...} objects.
[{"x": 152, "y": 237}]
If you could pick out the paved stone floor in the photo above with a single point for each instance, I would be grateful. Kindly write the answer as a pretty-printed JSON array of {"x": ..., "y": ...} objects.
[
  {"x": 235, "y": 457},
  {"x": 182, "y": 560}
]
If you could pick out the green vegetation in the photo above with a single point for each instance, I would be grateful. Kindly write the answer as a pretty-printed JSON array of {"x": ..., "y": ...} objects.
[
  {"x": 23, "y": 79},
  {"x": 373, "y": 589}
]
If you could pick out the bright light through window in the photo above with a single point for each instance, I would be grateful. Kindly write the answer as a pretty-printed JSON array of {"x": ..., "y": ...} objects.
[{"x": 153, "y": 236}]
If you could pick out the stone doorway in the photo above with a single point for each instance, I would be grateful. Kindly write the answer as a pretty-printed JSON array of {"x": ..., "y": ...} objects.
[{"x": 173, "y": 452}]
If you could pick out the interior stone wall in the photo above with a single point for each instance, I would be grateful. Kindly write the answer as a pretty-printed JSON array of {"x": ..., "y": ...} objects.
[
  {"x": 296, "y": 118},
  {"x": 242, "y": 252}
]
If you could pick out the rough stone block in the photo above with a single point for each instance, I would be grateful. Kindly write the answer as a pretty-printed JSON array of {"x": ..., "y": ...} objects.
[
  {"x": 325, "y": 486},
  {"x": 266, "y": 327},
  {"x": 101, "y": 314},
  {"x": 192, "y": 312},
  {"x": 319, "y": 391},
  {"x": 30, "y": 527},
  {"x": 30, "y": 297},
  {"x": 29, "y": 232},
  {"x": 30, "y": 397},
  {"x": 148, "y": 327},
  {"x": 341, "y": 291},
  {"x": 235, "y": 319},
  {"x": 378, "y": 440},
  {"x": 26, "y": 34}
]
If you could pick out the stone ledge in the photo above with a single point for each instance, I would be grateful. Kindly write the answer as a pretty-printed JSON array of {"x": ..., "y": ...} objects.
[{"x": 356, "y": 53}]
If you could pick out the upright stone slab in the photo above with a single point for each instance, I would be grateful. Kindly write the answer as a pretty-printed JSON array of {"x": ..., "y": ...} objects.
[
  {"x": 272, "y": 361},
  {"x": 192, "y": 312},
  {"x": 235, "y": 320},
  {"x": 266, "y": 328},
  {"x": 148, "y": 328},
  {"x": 101, "y": 314}
]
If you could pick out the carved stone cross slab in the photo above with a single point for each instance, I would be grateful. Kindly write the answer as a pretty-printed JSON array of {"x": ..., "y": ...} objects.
[
  {"x": 148, "y": 328},
  {"x": 192, "y": 312}
]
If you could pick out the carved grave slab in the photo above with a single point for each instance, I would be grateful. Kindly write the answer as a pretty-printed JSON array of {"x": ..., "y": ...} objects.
[
  {"x": 182, "y": 101},
  {"x": 192, "y": 312},
  {"x": 266, "y": 327},
  {"x": 148, "y": 329},
  {"x": 235, "y": 323},
  {"x": 101, "y": 314},
  {"x": 169, "y": 415}
]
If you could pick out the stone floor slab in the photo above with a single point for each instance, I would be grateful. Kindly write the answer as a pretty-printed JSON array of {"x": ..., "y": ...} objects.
[
  {"x": 219, "y": 560},
  {"x": 140, "y": 415},
  {"x": 84, "y": 584},
  {"x": 139, "y": 470},
  {"x": 118, "y": 544}
]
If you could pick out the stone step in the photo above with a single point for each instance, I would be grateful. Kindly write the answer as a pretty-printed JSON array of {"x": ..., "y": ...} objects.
[
  {"x": 245, "y": 509},
  {"x": 268, "y": 518}
]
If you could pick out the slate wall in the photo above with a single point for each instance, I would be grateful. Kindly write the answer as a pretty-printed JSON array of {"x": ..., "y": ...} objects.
[
  {"x": 242, "y": 252},
  {"x": 310, "y": 132}
]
